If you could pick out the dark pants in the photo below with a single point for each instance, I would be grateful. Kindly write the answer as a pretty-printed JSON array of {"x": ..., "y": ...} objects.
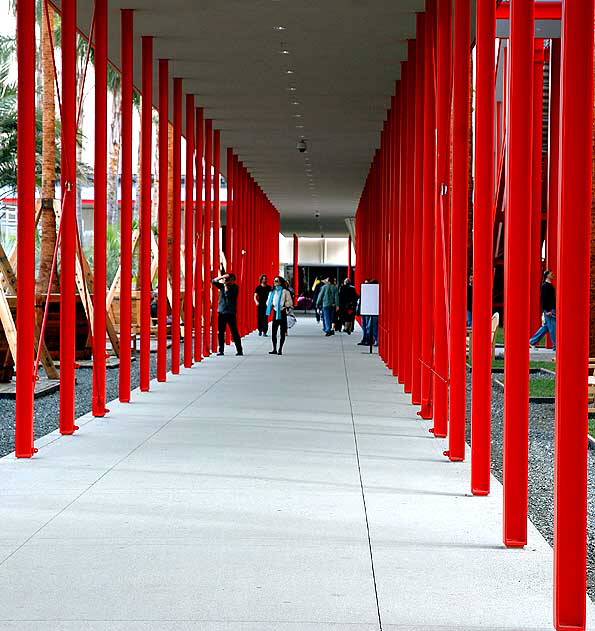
[
  {"x": 279, "y": 324},
  {"x": 263, "y": 320},
  {"x": 228, "y": 319}
]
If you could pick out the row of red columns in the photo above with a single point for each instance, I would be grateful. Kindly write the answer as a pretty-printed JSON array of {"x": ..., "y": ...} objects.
[
  {"x": 252, "y": 226},
  {"x": 412, "y": 236}
]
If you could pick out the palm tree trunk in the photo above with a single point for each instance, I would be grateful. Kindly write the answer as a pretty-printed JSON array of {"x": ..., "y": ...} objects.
[{"x": 170, "y": 197}]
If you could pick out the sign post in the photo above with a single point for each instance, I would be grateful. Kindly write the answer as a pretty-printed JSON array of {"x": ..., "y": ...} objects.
[{"x": 369, "y": 305}]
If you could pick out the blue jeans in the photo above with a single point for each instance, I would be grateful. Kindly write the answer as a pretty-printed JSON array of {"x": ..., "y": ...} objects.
[
  {"x": 327, "y": 319},
  {"x": 365, "y": 323},
  {"x": 372, "y": 330},
  {"x": 548, "y": 326}
]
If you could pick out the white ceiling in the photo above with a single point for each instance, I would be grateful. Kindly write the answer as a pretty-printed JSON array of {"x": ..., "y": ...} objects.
[{"x": 345, "y": 55}]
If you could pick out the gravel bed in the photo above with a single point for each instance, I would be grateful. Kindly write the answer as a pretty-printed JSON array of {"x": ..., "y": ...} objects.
[
  {"x": 541, "y": 470},
  {"x": 47, "y": 408}
]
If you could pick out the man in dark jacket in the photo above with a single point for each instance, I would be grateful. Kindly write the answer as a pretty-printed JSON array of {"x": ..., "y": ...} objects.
[
  {"x": 226, "y": 311},
  {"x": 548, "y": 304}
]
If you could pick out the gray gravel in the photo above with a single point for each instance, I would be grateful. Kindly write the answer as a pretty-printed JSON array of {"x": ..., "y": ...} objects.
[
  {"x": 541, "y": 470},
  {"x": 47, "y": 408}
]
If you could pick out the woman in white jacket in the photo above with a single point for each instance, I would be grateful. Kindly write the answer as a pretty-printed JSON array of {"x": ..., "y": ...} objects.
[{"x": 279, "y": 302}]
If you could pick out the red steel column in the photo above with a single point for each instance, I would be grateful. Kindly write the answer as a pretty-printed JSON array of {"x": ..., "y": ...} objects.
[
  {"x": 126, "y": 47},
  {"x": 100, "y": 210},
  {"x": 206, "y": 235},
  {"x": 229, "y": 210},
  {"x": 69, "y": 227},
  {"x": 405, "y": 167},
  {"x": 145, "y": 213},
  {"x": 296, "y": 271},
  {"x": 481, "y": 377},
  {"x": 216, "y": 221},
  {"x": 26, "y": 130},
  {"x": 189, "y": 232},
  {"x": 460, "y": 197},
  {"x": 198, "y": 238},
  {"x": 176, "y": 227},
  {"x": 428, "y": 222},
  {"x": 554, "y": 159},
  {"x": 570, "y": 486},
  {"x": 349, "y": 272},
  {"x": 516, "y": 279}
]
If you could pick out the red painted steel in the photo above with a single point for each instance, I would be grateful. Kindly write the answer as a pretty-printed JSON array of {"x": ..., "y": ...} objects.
[
  {"x": 163, "y": 232},
  {"x": 516, "y": 279},
  {"x": 127, "y": 58},
  {"x": 216, "y": 222},
  {"x": 207, "y": 236},
  {"x": 481, "y": 376},
  {"x": 543, "y": 11},
  {"x": 459, "y": 245},
  {"x": 428, "y": 220},
  {"x": 145, "y": 212},
  {"x": 100, "y": 210},
  {"x": 570, "y": 484},
  {"x": 296, "y": 271},
  {"x": 229, "y": 178},
  {"x": 198, "y": 238},
  {"x": 189, "y": 232},
  {"x": 349, "y": 267},
  {"x": 404, "y": 167},
  {"x": 554, "y": 159},
  {"x": 25, "y": 383},
  {"x": 69, "y": 224},
  {"x": 176, "y": 228}
]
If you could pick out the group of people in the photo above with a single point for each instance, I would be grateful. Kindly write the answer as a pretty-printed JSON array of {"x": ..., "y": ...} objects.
[{"x": 337, "y": 305}]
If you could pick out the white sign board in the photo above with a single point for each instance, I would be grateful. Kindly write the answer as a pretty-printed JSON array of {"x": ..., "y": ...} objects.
[{"x": 370, "y": 298}]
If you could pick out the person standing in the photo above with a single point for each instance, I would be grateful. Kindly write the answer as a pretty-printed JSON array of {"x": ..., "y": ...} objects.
[
  {"x": 316, "y": 287},
  {"x": 261, "y": 296},
  {"x": 347, "y": 305},
  {"x": 328, "y": 299},
  {"x": 548, "y": 304},
  {"x": 226, "y": 311},
  {"x": 279, "y": 301},
  {"x": 365, "y": 320}
]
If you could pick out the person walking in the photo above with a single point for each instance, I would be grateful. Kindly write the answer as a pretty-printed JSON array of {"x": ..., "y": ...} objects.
[
  {"x": 548, "y": 304},
  {"x": 328, "y": 299},
  {"x": 227, "y": 310},
  {"x": 279, "y": 301},
  {"x": 316, "y": 287},
  {"x": 261, "y": 296},
  {"x": 347, "y": 305}
]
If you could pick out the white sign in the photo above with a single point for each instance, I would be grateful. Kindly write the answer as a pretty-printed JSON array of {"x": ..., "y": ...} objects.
[{"x": 370, "y": 298}]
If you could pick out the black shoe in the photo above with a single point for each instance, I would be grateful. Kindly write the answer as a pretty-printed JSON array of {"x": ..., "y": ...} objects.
[
  {"x": 259, "y": 333},
  {"x": 328, "y": 333},
  {"x": 220, "y": 354},
  {"x": 362, "y": 343},
  {"x": 279, "y": 352},
  {"x": 240, "y": 354},
  {"x": 264, "y": 335},
  {"x": 273, "y": 352}
]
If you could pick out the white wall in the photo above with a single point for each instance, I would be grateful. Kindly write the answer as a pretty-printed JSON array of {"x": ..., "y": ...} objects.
[{"x": 315, "y": 251}]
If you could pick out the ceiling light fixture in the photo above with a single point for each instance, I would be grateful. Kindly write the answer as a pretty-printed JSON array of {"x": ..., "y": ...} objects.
[
  {"x": 295, "y": 103},
  {"x": 279, "y": 28},
  {"x": 285, "y": 51},
  {"x": 289, "y": 72},
  {"x": 297, "y": 115}
]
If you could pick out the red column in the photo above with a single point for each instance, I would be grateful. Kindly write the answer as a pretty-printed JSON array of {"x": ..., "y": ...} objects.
[
  {"x": 162, "y": 220},
  {"x": 428, "y": 222},
  {"x": 198, "y": 238},
  {"x": 189, "y": 232},
  {"x": 481, "y": 377},
  {"x": 25, "y": 228},
  {"x": 570, "y": 486},
  {"x": 296, "y": 271},
  {"x": 69, "y": 227},
  {"x": 535, "y": 261},
  {"x": 207, "y": 274},
  {"x": 460, "y": 197},
  {"x": 216, "y": 220},
  {"x": 126, "y": 47},
  {"x": 229, "y": 210},
  {"x": 418, "y": 209},
  {"x": 100, "y": 209},
  {"x": 516, "y": 280},
  {"x": 404, "y": 169},
  {"x": 176, "y": 227},
  {"x": 145, "y": 213},
  {"x": 554, "y": 164},
  {"x": 349, "y": 270}
]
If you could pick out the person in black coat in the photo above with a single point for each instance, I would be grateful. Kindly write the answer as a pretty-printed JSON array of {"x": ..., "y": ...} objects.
[
  {"x": 347, "y": 305},
  {"x": 548, "y": 304}
]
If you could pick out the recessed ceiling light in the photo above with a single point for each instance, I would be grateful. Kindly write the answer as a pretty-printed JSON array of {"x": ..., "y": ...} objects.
[
  {"x": 295, "y": 103},
  {"x": 291, "y": 88},
  {"x": 289, "y": 72},
  {"x": 297, "y": 115},
  {"x": 285, "y": 51},
  {"x": 279, "y": 28},
  {"x": 299, "y": 127}
]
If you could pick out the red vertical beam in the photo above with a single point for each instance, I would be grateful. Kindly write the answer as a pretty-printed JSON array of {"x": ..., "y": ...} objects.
[
  {"x": 481, "y": 376},
  {"x": 460, "y": 197},
  {"x": 349, "y": 272},
  {"x": 100, "y": 209},
  {"x": 404, "y": 168},
  {"x": 176, "y": 227},
  {"x": 428, "y": 222},
  {"x": 554, "y": 159},
  {"x": 216, "y": 221},
  {"x": 145, "y": 213},
  {"x": 296, "y": 272},
  {"x": 570, "y": 484},
  {"x": 25, "y": 379},
  {"x": 537, "y": 158},
  {"x": 516, "y": 279},
  {"x": 441, "y": 215},
  {"x": 189, "y": 232},
  {"x": 229, "y": 209},
  {"x": 418, "y": 195},
  {"x": 127, "y": 58},
  {"x": 162, "y": 220},
  {"x": 69, "y": 227},
  {"x": 206, "y": 235},
  {"x": 397, "y": 240},
  {"x": 198, "y": 236}
]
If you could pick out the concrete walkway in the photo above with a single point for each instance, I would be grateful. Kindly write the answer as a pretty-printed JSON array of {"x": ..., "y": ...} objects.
[{"x": 261, "y": 493}]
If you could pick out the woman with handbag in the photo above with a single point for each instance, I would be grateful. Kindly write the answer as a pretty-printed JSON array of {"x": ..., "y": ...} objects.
[{"x": 279, "y": 302}]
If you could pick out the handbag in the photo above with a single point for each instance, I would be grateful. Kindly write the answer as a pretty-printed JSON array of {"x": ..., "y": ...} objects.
[{"x": 291, "y": 319}]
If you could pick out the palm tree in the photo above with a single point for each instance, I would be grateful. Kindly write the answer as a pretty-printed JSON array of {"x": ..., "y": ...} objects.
[{"x": 115, "y": 143}]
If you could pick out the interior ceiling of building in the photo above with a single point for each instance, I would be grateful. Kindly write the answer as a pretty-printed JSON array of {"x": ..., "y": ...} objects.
[{"x": 269, "y": 72}]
